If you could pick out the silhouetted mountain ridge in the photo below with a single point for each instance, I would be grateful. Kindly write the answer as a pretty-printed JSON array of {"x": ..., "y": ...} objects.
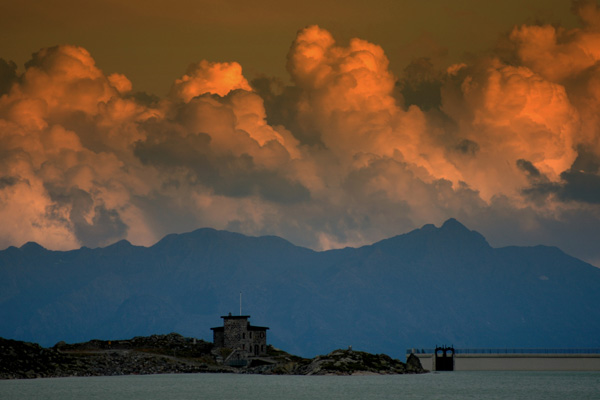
[{"x": 431, "y": 285}]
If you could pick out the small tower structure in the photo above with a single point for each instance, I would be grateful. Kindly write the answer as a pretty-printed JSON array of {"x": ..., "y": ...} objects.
[{"x": 239, "y": 335}]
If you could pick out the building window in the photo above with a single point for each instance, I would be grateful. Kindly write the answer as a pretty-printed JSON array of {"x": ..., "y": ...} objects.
[
  {"x": 243, "y": 336},
  {"x": 250, "y": 335},
  {"x": 243, "y": 347}
]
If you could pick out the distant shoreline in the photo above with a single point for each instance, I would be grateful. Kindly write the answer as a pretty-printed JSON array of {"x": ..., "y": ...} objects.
[{"x": 173, "y": 353}]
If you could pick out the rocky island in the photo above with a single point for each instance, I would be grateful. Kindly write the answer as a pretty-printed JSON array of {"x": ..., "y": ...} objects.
[
  {"x": 346, "y": 362},
  {"x": 173, "y": 353}
]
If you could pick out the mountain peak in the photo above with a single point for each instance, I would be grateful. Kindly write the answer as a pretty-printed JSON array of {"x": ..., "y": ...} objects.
[
  {"x": 428, "y": 228},
  {"x": 32, "y": 246},
  {"x": 454, "y": 231},
  {"x": 453, "y": 224},
  {"x": 123, "y": 243},
  {"x": 452, "y": 234}
]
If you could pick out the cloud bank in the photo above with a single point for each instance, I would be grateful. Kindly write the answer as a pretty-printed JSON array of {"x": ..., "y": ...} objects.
[{"x": 508, "y": 143}]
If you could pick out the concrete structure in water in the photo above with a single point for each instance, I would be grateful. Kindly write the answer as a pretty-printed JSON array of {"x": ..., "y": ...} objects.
[
  {"x": 245, "y": 340},
  {"x": 449, "y": 359}
]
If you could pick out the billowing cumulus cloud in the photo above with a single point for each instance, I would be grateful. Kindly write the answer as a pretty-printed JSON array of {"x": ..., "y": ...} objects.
[
  {"x": 346, "y": 95},
  {"x": 209, "y": 77},
  {"x": 347, "y": 154},
  {"x": 506, "y": 114}
]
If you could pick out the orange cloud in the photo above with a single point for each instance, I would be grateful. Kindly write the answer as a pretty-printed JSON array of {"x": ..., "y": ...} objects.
[
  {"x": 66, "y": 79},
  {"x": 84, "y": 159},
  {"x": 568, "y": 57},
  {"x": 512, "y": 113},
  {"x": 347, "y": 96},
  {"x": 209, "y": 77}
]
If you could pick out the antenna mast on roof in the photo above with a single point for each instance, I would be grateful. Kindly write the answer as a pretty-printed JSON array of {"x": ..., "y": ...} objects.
[{"x": 240, "y": 304}]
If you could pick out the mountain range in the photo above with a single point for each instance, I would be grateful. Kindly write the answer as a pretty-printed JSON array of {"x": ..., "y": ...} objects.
[{"x": 431, "y": 286}]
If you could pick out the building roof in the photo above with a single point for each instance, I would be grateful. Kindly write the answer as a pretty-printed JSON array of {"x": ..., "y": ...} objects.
[
  {"x": 235, "y": 316},
  {"x": 250, "y": 328},
  {"x": 257, "y": 328}
]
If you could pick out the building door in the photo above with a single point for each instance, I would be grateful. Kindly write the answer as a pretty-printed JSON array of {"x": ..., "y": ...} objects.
[{"x": 444, "y": 358}]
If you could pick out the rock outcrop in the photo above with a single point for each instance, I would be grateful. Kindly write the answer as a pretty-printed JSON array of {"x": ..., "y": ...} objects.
[
  {"x": 173, "y": 353},
  {"x": 157, "y": 354},
  {"x": 340, "y": 362},
  {"x": 350, "y": 362}
]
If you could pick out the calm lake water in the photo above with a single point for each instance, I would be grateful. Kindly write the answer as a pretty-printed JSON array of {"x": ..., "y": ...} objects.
[{"x": 449, "y": 385}]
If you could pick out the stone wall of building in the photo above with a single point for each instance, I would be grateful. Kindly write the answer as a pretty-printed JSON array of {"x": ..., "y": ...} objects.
[
  {"x": 218, "y": 338},
  {"x": 257, "y": 342},
  {"x": 237, "y": 334},
  {"x": 235, "y": 328}
]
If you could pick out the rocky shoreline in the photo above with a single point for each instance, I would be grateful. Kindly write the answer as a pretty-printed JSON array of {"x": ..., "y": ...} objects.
[
  {"x": 344, "y": 362},
  {"x": 173, "y": 353}
]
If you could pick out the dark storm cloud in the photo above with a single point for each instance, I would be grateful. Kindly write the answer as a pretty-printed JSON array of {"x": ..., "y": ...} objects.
[
  {"x": 7, "y": 181},
  {"x": 421, "y": 85},
  {"x": 93, "y": 225},
  {"x": 8, "y": 75},
  {"x": 580, "y": 183},
  {"x": 586, "y": 161},
  {"x": 579, "y": 186},
  {"x": 532, "y": 172},
  {"x": 105, "y": 228},
  {"x": 467, "y": 147},
  {"x": 281, "y": 106},
  {"x": 226, "y": 174}
]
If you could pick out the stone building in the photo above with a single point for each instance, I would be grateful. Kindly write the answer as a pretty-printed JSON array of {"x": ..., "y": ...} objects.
[{"x": 240, "y": 336}]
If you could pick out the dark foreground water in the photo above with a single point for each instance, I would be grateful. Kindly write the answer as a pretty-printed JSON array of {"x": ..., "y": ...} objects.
[{"x": 449, "y": 385}]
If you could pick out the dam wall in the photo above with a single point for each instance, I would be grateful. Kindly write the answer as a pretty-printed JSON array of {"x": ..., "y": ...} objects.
[{"x": 508, "y": 359}]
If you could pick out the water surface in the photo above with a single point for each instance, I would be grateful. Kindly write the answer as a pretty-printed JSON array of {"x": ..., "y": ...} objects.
[{"x": 449, "y": 385}]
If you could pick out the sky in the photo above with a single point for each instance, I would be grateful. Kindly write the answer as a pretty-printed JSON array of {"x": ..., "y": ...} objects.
[{"x": 330, "y": 124}]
